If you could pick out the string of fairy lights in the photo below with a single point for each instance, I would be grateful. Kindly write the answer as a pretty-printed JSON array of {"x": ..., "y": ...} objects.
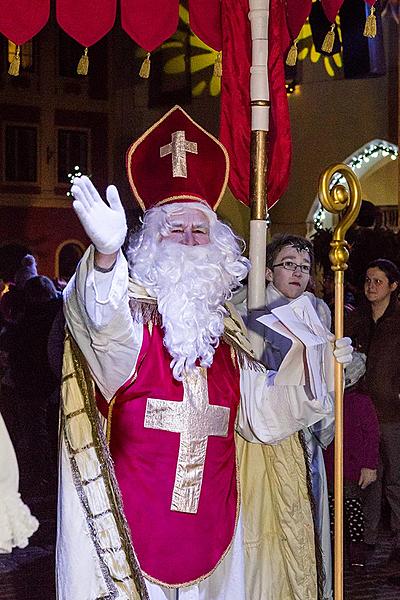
[
  {"x": 75, "y": 173},
  {"x": 383, "y": 149}
]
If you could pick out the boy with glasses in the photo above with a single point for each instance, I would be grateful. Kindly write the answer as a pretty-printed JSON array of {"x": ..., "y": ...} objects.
[{"x": 289, "y": 264}]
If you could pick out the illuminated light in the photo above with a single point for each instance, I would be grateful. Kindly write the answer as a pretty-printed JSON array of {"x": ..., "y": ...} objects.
[
  {"x": 393, "y": 157},
  {"x": 366, "y": 159},
  {"x": 290, "y": 87},
  {"x": 385, "y": 153}
]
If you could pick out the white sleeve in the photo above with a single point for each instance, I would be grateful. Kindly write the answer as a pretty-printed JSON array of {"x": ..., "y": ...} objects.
[
  {"x": 269, "y": 413},
  {"x": 97, "y": 313}
]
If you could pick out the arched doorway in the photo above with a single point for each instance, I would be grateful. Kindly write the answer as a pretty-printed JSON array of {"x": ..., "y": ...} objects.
[
  {"x": 68, "y": 254},
  {"x": 375, "y": 164}
]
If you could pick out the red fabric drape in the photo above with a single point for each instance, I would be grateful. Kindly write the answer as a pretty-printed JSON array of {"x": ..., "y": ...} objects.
[
  {"x": 331, "y": 8},
  {"x": 205, "y": 21},
  {"x": 149, "y": 22},
  {"x": 297, "y": 12},
  {"x": 87, "y": 21},
  {"x": 20, "y": 20},
  {"x": 235, "y": 101}
]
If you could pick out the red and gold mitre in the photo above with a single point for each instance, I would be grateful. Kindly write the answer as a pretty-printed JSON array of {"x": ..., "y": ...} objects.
[{"x": 176, "y": 160}]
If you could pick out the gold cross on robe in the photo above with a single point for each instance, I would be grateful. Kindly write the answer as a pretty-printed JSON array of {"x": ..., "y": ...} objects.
[
  {"x": 178, "y": 148},
  {"x": 195, "y": 419}
]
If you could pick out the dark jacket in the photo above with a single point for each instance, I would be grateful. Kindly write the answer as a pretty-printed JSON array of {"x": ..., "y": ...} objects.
[
  {"x": 360, "y": 437},
  {"x": 380, "y": 341}
]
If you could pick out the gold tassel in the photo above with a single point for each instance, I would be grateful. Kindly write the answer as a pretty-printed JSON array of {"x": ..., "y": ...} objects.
[
  {"x": 291, "y": 58},
  {"x": 327, "y": 45},
  {"x": 218, "y": 65},
  {"x": 83, "y": 64},
  {"x": 145, "y": 68},
  {"x": 15, "y": 63},
  {"x": 370, "y": 24}
]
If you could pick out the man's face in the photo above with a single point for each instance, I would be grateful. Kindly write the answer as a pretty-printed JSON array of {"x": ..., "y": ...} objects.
[
  {"x": 189, "y": 226},
  {"x": 290, "y": 283},
  {"x": 377, "y": 287}
]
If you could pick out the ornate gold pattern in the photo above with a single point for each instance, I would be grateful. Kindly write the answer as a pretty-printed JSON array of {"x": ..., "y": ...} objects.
[
  {"x": 100, "y": 498},
  {"x": 178, "y": 148},
  {"x": 195, "y": 419}
]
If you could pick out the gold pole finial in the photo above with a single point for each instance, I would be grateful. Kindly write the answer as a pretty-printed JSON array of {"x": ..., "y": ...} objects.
[
  {"x": 347, "y": 203},
  {"x": 340, "y": 200}
]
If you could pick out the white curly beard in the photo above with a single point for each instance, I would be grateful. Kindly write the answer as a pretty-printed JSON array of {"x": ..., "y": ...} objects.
[{"x": 191, "y": 285}]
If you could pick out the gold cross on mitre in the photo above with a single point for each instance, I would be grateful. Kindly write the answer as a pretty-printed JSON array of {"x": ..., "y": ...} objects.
[
  {"x": 178, "y": 148},
  {"x": 195, "y": 419}
]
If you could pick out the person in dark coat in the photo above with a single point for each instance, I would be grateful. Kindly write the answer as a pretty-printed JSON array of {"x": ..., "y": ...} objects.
[
  {"x": 361, "y": 457},
  {"x": 375, "y": 330}
]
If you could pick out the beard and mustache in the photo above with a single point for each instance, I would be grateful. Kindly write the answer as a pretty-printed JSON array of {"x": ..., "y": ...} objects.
[{"x": 191, "y": 284}]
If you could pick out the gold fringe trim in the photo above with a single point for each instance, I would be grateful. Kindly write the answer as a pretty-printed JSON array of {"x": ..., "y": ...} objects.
[
  {"x": 327, "y": 45},
  {"x": 291, "y": 58},
  {"x": 15, "y": 63},
  {"x": 83, "y": 64},
  {"x": 317, "y": 542},
  {"x": 144, "y": 72},
  {"x": 370, "y": 24},
  {"x": 144, "y": 312},
  {"x": 218, "y": 65},
  {"x": 109, "y": 419},
  {"x": 86, "y": 388}
]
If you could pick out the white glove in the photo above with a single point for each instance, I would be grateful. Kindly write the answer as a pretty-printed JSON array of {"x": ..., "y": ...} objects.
[
  {"x": 104, "y": 225},
  {"x": 343, "y": 351}
]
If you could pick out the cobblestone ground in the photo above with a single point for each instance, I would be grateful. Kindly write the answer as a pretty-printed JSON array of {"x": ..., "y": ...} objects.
[
  {"x": 28, "y": 574},
  {"x": 371, "y": 582}
]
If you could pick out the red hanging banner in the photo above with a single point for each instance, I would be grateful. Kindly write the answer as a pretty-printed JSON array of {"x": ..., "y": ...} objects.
[
  {"x": 235, "y": 101},
  {"x": 331, "y": 8},
  {"x": 149, "y": 22},
  {"x": 297, "y": 12},
  {"x": 205, "y": 21},
  {"x": 21, "y": 20},
  {"x": 87, "y": 21}
]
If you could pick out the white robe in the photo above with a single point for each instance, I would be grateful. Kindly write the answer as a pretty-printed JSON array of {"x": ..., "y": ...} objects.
[
  {"x": 317, "y": 437},
  {"x": 99, "y": 318},
  {"x": 16, "y": 522}
]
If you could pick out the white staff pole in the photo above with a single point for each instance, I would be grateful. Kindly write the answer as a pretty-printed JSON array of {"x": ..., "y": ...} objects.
[{"x": 260, "y": 106}]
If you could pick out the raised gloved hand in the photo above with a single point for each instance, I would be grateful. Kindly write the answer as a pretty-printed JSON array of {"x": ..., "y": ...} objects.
[
  {"x": 343, "y": 350},
  {"x": 104, "y": 225}
]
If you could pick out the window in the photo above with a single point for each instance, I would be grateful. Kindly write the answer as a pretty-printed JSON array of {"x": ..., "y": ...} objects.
[
  {"x": 21, "y": 153},
  {"x": 69, "y": 53},
  {"x": 26, "y": 55},
  {"x": 68, "y": 254},
  {"x": 73, "y": 150}
]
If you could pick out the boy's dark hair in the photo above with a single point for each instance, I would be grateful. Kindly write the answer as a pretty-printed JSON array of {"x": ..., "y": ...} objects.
[
  {"x": 286, "y": 239},
  {"x": 388, "y": 267}
]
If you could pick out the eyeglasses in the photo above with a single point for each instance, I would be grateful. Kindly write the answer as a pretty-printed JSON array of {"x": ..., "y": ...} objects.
[{"x": 292, "y": 266}]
